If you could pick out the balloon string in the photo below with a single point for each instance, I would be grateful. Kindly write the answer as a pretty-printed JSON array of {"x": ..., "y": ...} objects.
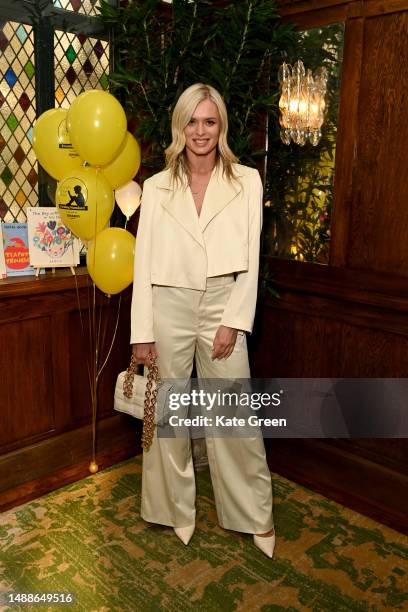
[
  {"x": 96, "y": 329},
  {"x": 94, "y": 334},
  {"x": 98, "y": 333},
  {"x": 83, "y": 327},
  {"x": 113, "y": 338},
  {"x": 90, "y": 328},
  {"x": 90, "y": 365},
  {"x": 102, "y": 320},
  {"x": 94, "y": 374},
  {"x": 115, "y": 329},
  {"x": 90, "y": 344},
  {"x": 104, "y": 330}
]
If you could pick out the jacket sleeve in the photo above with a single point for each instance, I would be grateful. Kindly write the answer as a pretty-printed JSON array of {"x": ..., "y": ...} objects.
[
  {"x": 239, "y": 312},
  {"x": 141, "y": 321}
]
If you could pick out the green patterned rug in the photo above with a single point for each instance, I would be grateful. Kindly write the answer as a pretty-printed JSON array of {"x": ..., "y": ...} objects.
[{"x": 88, "y": 538}]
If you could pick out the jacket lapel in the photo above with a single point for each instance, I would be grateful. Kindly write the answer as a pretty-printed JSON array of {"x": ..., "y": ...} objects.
[
  {"x": 180, "y": 204},
  {"x": 220, "y": 192}
]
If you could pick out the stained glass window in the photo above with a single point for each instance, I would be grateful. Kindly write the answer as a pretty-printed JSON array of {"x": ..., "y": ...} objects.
[
  {"x": 86, "y": 7},
  {"x": 18, "y": 165},
  {"x": 81, "y": 62}
]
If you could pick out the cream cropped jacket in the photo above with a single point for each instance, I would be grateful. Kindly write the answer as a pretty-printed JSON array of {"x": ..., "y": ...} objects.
[{"x": 176, "y": 247}]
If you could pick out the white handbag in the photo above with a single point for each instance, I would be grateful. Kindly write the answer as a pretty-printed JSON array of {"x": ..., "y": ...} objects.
[
  {"x": 133, "y": 405},
  {"x": 147, "y": 398},
  {"x": 137, "y": 395}
]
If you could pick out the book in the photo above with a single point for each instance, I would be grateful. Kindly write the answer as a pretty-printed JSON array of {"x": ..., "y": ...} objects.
[
  {"x": 51, "y": 243},
  {"x": 3, "y": 272},
  {"x": 15, "y": 246}
]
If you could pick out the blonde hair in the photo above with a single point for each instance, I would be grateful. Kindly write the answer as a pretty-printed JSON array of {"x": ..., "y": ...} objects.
[{"x": 176, "y": 159}]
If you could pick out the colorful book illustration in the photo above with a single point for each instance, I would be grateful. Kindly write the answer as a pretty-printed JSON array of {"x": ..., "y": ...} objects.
[
  {"x": 3, "y": 272},
  {"x": 15, "y": 245},
  {"x": 51, "y": 243}
]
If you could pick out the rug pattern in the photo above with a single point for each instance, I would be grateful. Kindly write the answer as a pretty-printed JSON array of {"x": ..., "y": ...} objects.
[{"x": 88, "y": 538}]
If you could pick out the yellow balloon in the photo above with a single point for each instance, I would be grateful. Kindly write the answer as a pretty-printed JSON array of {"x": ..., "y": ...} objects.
[
  {"x": 110, "y": 259},
  {"x": 124, "y": 167},
  {"x": 97, "y": 126},
  {"x": 85, "y": 201},
  {"x": 52, "y": 144}
]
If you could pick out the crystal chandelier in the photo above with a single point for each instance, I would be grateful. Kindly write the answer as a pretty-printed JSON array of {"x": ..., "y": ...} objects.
[{"x": 301, "y": 103}]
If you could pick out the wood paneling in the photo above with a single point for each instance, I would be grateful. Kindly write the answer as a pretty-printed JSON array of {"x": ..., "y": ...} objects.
[
  {"x": 354, "y": 7},
  {"x": 59, "y": 341},
  {"x": 26, "y": 386},
  {"x": 352, "y": 480},
  {"x": 379, "y": 219},
  {"x": 392, "y": 453},
  {"x": 45, "y": 407},
  {"x": 36, "y": 469},
  {"x": 314, "y": 340},
  {"x": 346, "y": 146},
  {"x": 379, "y": 7},
  {"x": 315, "y": 13}
]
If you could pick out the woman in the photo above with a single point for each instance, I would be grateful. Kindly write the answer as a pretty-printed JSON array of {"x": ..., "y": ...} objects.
[{"x": 194, "y": 297}]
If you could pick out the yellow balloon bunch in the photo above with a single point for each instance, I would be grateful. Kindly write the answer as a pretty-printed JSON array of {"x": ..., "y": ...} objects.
[{"x": 89, "y": 151}]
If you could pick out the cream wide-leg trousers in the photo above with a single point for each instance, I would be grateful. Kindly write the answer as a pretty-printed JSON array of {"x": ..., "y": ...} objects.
[{"x": 185, "y": 323}]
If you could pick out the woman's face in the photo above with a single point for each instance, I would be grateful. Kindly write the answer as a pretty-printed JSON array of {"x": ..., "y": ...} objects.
[{"x": 203, "y": 129}]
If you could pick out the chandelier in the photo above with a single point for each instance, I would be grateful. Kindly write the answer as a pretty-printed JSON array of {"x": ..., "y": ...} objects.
[{"x": 301, "y": 103}]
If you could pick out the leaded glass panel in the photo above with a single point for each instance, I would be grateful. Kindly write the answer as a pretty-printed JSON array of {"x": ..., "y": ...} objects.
[
  {"x": 81, "y": 62},
  {"x": 18, "y": 166},
  {"x": 86, "y": 7}
]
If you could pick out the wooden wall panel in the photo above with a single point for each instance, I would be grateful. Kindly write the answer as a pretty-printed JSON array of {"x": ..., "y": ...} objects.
[
  {"x": 45, "y": 408},
  {"x": 392, "y": 453},
  {"x": 81, "y": 404},
  {"x": 369, "y": 487},
  {"x": 36, "y": 469},
  {"x": 292, "y": 348},
  {"x": 346, "y": 146},
  {"x": 379, "y": 221},
  {"x": 302, "y": 344},
  {"x": 27, "y": 401},
  {"x": 313, "y": 13},
  {"x": 294, "y": 340}
]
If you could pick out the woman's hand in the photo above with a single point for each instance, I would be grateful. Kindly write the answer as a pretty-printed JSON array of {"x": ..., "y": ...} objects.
[
  {"x": 141, "y": 352},
  {"x": 224, "y": 342}
]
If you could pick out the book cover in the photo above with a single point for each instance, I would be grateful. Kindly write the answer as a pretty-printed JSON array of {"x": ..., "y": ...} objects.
[
  {"x": 3, "y": 272},
  {"x": 51, "y": 243},
  {"x": 15, "y": 244}
]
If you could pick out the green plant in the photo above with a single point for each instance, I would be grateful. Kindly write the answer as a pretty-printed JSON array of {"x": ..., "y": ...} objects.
[{"x": 159, "y": 51}]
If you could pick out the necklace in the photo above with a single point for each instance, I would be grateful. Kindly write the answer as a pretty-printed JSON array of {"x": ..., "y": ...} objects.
[{"x": 196, "y": 193}]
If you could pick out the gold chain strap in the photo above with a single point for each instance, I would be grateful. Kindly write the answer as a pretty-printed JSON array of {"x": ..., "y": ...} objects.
[{"x": 150, "y": 396}]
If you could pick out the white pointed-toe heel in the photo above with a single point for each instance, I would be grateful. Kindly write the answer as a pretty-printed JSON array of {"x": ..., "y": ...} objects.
[
  {"x": 266, "y": 544},
  {"x": 184, "y": 533}
]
